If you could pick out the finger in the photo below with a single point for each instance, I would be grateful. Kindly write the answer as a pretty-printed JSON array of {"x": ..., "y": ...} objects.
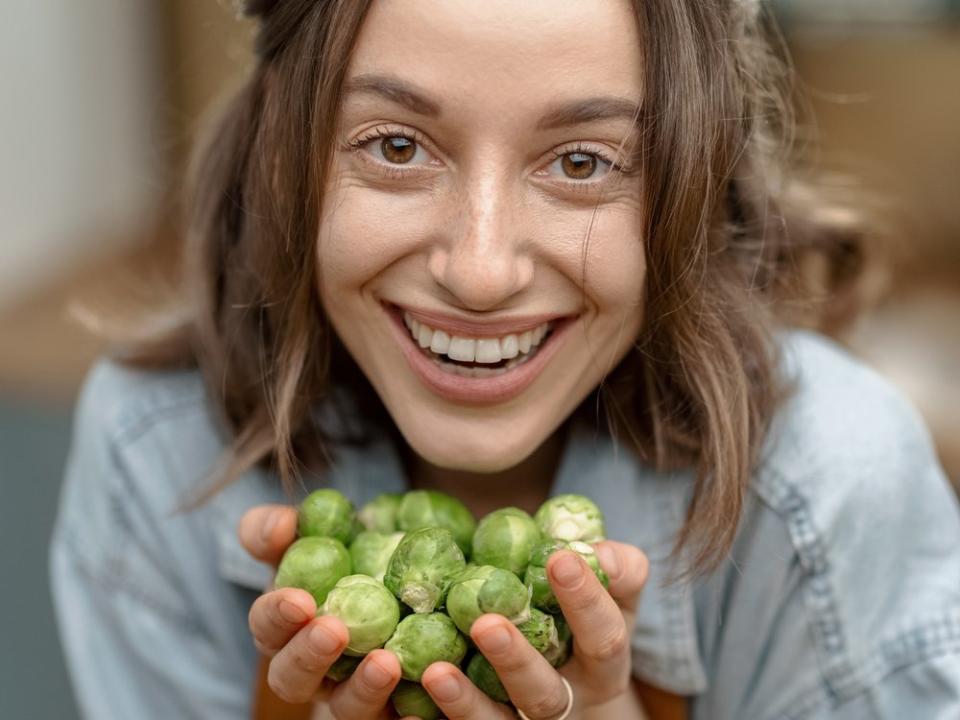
[
  {"x": 275, "y": 617},
  {"x": 297, "y": 670},
  {"x": 458, "y": 698},
  {"x": 600, "y": 635},
  {"x": 530, "y": 681},
  {"x": 266, "y": 531},
  {"x": 628, "y": 568},
  {"x": 366, "y": 694}
]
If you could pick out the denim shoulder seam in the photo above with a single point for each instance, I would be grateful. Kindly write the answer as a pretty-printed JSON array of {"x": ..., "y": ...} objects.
[
  {"x": 784, "y": 498},
  {"x": 844, "y": 678},
  {"x": 922, "y": 643}
]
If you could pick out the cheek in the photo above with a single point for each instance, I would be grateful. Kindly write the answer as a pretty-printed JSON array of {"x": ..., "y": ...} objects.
[
  {"x": 366, "y": 230},
  {"x": 611, "y": 262}
]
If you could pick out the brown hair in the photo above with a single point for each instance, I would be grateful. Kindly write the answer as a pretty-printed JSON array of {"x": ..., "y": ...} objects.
[{"x": 734, "y": 241}]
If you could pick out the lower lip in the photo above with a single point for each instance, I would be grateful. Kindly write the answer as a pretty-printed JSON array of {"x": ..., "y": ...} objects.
[{"x": 476, "y": 391}]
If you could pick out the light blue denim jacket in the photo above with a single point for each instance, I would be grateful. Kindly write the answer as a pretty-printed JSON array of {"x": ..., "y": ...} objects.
[{"x": 840, "y": 598}]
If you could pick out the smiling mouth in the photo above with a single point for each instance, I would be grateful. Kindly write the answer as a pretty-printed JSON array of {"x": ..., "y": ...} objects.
[{"x": 490, "y": 356}]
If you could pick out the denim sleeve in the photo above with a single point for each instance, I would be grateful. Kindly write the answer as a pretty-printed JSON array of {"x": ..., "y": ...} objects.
[
  {"x": 841, "y": 600},
  {"x": 135, "y": 643}
]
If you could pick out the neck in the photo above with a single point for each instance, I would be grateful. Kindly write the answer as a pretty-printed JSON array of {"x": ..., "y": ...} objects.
[{"x": 525, "y": 485}]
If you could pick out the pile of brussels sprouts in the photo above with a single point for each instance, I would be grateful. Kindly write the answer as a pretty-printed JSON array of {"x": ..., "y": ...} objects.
[{"x": 412, "y": 572}]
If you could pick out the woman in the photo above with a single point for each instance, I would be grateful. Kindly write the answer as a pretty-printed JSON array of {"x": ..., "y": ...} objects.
[{"x": 506, "y": 250}]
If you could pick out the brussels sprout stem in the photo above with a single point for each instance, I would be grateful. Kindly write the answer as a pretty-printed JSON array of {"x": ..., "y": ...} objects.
[{"x": 422, "y": 598}]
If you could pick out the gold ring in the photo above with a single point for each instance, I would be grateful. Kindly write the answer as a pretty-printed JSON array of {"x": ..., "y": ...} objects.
[{"x": 566, "y": 713}]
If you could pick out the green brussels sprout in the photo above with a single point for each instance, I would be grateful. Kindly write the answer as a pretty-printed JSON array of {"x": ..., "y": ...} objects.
[
  {"x": 356, "y": 527},
  {"x": 421, "y": 640},
  {"x": 505, "y": 538},
  {"x": 367, "y": 608},
  {"x": 540, "y": 631},
  {"x": 314, "y": 564},
  {"x": 428, "y": 508},
  {"x": 422, "y": 568},
  {"x": 482, "y": 674},
  {"x": 542, "y": 596},
  {"x": 559, "y": 654},
  {"x": 380, "y": 514},
  {"x": 487, "y": 589},
  {"x": 571, "y": 517},
  {"x": 326, "y": 513},
  {"x": 343, "y": 667},
  {"x": 410, "y": 698},
  {"x": 370, "y": 552}
]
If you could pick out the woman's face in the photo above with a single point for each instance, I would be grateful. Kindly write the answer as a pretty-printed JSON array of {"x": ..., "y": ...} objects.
[{"x": 475, "y": 151}]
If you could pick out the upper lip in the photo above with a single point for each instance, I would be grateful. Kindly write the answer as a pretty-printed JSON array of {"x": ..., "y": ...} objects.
[{"x": 465, "y": 327}]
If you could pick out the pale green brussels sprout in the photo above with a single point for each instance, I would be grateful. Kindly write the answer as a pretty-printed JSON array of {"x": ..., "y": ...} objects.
[
  {"x": 540, "y": 630},
  {"x": 314, "y": 564},
  {"x": 428, "y": 508},
  {"x": 422, "y": 568},
  {"x": 542, "y": 596},
  {"x": 487, "y": 589},
  {"x": 380, "y": 514},
  {"x": 326, "y": 513},
  {"x": 482, "y": 674},
  {"x": 367, "y": 608},
  {"x": 370, "y": 552},
  {"x": 421, "y": 640},
  {"x": 571, "y": 517},
  {"x": 410, "y": 698},
  {"x": 505, "y": 538},
  {"x": 343, "y": 667},
  {"x": 560, "y": 653}
]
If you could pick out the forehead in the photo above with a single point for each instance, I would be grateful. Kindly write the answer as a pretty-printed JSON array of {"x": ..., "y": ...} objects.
[{"x": 503, "y": 55}]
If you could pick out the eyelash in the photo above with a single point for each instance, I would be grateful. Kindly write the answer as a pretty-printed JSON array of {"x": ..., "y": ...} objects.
[{"x": 400, "y": 172}]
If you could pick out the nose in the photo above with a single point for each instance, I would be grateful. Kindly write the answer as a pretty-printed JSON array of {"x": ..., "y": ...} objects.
[{"x": 484, "y": 258}]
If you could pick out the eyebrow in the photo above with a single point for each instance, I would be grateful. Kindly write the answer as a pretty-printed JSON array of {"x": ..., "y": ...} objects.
[{"x": 574, "y": 112}]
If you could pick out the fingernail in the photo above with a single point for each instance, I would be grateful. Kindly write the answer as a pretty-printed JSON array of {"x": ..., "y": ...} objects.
[
  {"x": 566, "y": 570},
  {"x": 609, "y": 560},
  {"x": 323, "y": 640},
  {"x": 376, "y": 676},
  {"x": 495, "y": 640},
  {"x": 271, "y": 522},
  {"x": 290, "y": 612},
  {"x": 445, "y": 689}
]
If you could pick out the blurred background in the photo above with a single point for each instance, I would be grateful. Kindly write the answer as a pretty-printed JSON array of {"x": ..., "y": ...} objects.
[{"x": 102, "y": 98}]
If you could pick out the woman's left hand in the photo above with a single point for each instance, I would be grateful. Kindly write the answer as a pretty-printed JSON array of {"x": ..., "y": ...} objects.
[{"x": 599, "y": 667}]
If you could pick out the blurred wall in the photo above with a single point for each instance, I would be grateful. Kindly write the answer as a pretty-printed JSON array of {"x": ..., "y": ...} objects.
[
  {"x": 888, "y": 108},
  {"x": 82, "y": 125}
]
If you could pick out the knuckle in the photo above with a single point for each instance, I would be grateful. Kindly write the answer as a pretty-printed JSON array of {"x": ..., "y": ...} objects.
[
  {"x": 283, "y": 688},
  {"x": 610, "y": 646},
  {"x": 306, "y": 661}
]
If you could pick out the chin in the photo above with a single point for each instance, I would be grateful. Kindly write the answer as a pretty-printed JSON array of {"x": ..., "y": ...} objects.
[{"x": 478, "y": 452}]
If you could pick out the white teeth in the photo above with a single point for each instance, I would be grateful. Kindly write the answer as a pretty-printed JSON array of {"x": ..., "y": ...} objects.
[
  {"x": 424, "y": 336},
  {"x": 462, "y": 349},
  {"x": 440, "y": 343},
  {"x": 525, "y": 340},
  {"x": 488, "y": 350},
  {"x": 480, "y": 350}
]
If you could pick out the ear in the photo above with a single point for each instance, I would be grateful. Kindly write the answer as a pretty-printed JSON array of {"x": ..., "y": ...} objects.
[{"x": 256, "y": 8}]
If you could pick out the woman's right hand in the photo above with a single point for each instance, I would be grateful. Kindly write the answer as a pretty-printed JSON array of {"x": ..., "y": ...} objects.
[{"x": 301, "y": 647}]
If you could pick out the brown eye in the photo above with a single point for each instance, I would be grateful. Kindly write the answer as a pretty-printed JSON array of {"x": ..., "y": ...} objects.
[
  {"x": 399, "y": 150},
  {"x": 579, "y": 166}
]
